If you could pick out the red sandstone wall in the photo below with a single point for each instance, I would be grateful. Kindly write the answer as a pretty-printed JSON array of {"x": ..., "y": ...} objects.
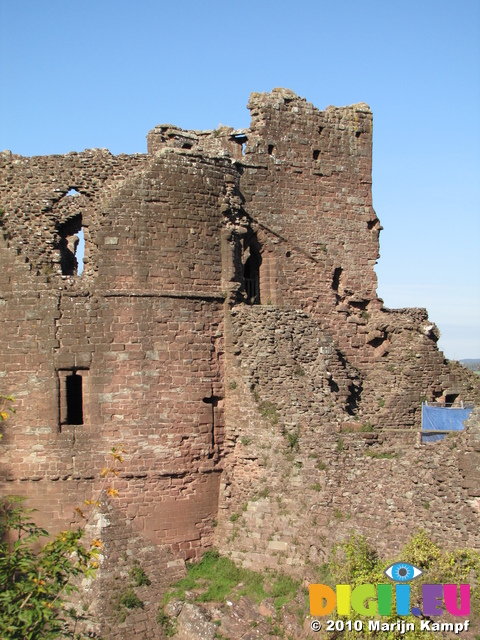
[
  {"x": 157, "y": 328},
  {"x": 300, "y": 474},
  {"x": 142, "y": 326}
]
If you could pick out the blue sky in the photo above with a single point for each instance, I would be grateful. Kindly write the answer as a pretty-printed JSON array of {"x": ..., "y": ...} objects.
[{"x": 101, "y": 73}]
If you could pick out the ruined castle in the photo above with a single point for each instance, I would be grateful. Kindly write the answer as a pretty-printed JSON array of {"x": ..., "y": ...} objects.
[{"x": 225, "y": 327}]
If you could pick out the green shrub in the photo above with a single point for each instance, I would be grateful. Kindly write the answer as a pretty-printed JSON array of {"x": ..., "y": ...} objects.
[
  {"x": 355, "y": 562},
  {"x": 269, "y": 410},
  {"x": 130, "y": 600},
  {"x": 293, "y": 440},
  {"x": 139, "y": 576},
  {"x": 168, "y": 625},
  {"x": 35, "y": 581}
]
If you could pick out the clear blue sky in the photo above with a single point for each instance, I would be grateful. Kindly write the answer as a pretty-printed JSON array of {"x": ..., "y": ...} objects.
[{"x": 101, "y": 73}]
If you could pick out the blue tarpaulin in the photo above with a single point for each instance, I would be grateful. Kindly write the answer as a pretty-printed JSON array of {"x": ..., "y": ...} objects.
[{"x": 442, "y": 419}]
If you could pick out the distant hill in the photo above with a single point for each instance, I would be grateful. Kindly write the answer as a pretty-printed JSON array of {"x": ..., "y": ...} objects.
[{"x": 471, "y": 363}]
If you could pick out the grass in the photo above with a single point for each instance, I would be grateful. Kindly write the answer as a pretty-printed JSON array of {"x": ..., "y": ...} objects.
[
  {"x": 379, "y": 455},
  {"x": 261, "y": 494},
  {"x": 269, "y": 411},
  {"x": 367, "y": 427},
  {"x": 139, "y": 576},
  {"x": 293, "y": 440},
  {"x": 168, "y": 625},
  {"x": 216, "y": 578},
  {"x": 129, "y": 599},
  {"x": 283, "y": 589}
]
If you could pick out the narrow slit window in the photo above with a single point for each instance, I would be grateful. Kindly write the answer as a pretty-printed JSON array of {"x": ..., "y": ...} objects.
[
  {"x": 252, "y": 278},
  {"x": 74, "y": 399}
]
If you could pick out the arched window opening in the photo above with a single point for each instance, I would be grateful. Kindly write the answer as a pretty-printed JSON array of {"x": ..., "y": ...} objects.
[
  {"x": 72, "y": 246},
  {"x": 251, "y": 273}
]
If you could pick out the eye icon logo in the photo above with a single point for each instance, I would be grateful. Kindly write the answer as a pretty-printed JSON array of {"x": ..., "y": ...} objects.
[{"x": 402, "y": 572}]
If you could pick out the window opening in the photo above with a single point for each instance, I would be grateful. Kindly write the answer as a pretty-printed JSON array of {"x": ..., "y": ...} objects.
[
  {"x": 252, "y": 276},
  {"x": 72, "y": 192},
  {"x": 334, "y": 388},
  {"x": 74, "y": 398},
  {"x": 240, "y": 139},
  {"x": 450, "y": 398},
  {"x": 80, "y": 252},
  {"x": 71, "y": 253},
  {"x": 270, "y": 149},
  {"x": 213, "y": 402},
  {"x": 316, "y": 153},
  {"x": 336, "y": 278}
]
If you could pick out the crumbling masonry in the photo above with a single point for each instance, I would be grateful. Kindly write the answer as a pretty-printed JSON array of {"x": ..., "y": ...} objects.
[{"x": 226, "y": 329}]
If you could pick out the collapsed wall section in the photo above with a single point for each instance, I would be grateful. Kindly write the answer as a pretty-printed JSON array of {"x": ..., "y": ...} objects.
[
  {"x": 300, "y": 475},
  {"x": 306, "y": 182}
]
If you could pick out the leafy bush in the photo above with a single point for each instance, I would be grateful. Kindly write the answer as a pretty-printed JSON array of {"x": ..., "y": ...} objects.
[
  {"x": 354, "y": 562},
  {"x": 34, "y": 584}
]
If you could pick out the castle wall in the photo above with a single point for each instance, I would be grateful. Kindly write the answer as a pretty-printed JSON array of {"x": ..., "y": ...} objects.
[
  {"x": 287, "y": 422},
  {"x": 301, "y": 475},
  {"x": 140, "y": 328}
]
